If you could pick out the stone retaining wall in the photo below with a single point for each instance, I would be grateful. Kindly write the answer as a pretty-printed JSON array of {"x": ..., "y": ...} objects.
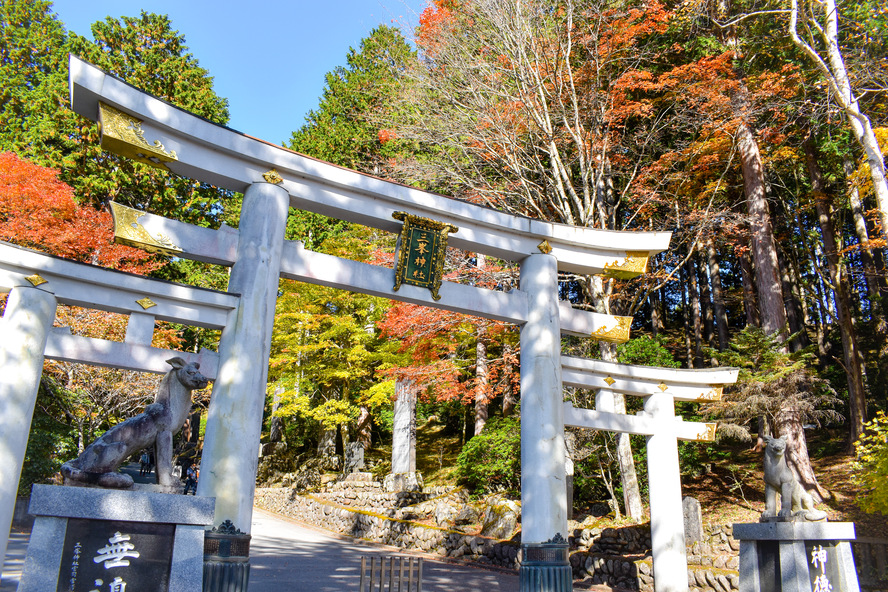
[
  {"x": 373, "y": 526},
  {"x": 618, "y": 557}
]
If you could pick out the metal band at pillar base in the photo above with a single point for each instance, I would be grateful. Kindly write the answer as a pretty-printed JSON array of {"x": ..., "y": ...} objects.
[
  {"x": 226, "y": 562},
  {"x": 545, "y": 568}
]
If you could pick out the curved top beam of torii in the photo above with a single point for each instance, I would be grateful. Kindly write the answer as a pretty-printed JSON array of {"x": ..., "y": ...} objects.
[{"x": 192, "y": 147}]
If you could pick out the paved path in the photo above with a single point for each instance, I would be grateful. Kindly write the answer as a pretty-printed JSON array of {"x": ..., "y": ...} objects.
[{"x": 285, "y": 555}]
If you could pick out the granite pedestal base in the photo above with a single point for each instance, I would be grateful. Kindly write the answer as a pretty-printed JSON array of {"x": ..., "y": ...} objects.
[
  {"x": 796, "y": 557},
  {"x": 545, "y": 568},
  {"x": 155, "y": 544}
]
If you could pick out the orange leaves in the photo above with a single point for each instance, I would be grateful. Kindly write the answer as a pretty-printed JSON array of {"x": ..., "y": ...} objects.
[
  {"x": 432, "y": 24},
  {"x": 38, "y": 211}
]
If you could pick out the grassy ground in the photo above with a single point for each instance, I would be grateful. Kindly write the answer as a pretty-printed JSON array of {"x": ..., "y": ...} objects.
[{"x": 436, "y": 453}]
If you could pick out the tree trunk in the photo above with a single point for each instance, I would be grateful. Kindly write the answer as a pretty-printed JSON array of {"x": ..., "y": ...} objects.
[
  {"x": 867, "y": 261},
  {"x": 275, "y": 430},
  {"x": 750, "y": 301},
  {"x": 718, "y": 299},
  {"x": 481, "y": 382},
  {"x": 510, "y": 400},
  {"x": 792, "y": 303},
  {"x": 628, "y": 476},
  {"x": 686, "y": 316},
  {"x": 832, "y": 67},
  {"x": 853, "y": 360},
  {"x": 705, "y": 300},
  {"x": 656, "y": 303},
  {"x": 364, "y": 429},
  {"x": 696, "y": 314},
  {"x": 764, "y": 251}
]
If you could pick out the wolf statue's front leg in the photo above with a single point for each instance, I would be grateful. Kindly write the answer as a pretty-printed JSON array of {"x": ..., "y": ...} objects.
[
  {"x": 770, "y": 501},
  {"x": 786, "y": 493},
  {"x": 163, "y": 454}
]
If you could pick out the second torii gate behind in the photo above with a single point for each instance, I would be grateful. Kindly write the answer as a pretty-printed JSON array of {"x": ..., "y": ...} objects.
[{"x": 660, "y": 387}]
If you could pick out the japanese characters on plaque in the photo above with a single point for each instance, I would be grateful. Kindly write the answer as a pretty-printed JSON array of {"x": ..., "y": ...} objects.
[
  {"x": 422, "y": 247},
  {"x": 115, "y": 556},
  {"x": 823, "y": 567}
]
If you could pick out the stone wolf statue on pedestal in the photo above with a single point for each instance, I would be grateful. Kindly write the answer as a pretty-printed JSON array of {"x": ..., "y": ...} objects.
[
  {"x": 796, "y": 504},
  {"x": 155, "y": 426}
]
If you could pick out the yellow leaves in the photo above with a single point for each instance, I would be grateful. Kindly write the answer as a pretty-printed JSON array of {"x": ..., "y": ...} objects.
[
  {"x": 871, "y": 466},
  {"x": 861, "y": 177}
]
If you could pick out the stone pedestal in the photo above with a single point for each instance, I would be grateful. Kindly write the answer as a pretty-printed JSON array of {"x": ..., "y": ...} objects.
[
  {"x": 158, "y": 537},
  {"x": 796, "y": 557},
  {"x": 395, "y": 482}
]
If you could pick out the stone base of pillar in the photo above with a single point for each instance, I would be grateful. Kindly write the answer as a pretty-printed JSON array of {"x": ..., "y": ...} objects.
[
  {"x": 397, "y": 482},
  {"x": 545, "y": 568},
  {"x": 226, "y": 562}
]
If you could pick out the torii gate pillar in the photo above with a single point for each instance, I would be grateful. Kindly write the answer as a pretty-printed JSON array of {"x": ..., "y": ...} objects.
[
  {"x": 545, "y": 566},
  {"x": 25, "y": 327},
  {"x": 234, "y": 420}
]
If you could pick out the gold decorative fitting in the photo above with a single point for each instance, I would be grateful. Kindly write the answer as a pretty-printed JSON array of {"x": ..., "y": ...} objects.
[
  {"x": 122, "y": 134},
  {"x": 715, "y": 394},
  {"x": 421, "y": 250},
  {"x": 36, "y": 280},
  {"x": 633, "y": 265},
  {"x": 663, "y": 386},
  {"x": 146, "y": 303},
  {"x": 273, "y": 177},
  {"x": 128, "y": 231},
  {"x": 610, "y": 381},
  {"x": 618, "y": 334},
  {"x": 708, "y": 434},
  {"x": 544, "y": 247}
]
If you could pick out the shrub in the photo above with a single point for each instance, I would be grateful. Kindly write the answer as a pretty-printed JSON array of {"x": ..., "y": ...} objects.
[
  {"x": 870, "y": 470},
  {"x": 491, "y": 461}
]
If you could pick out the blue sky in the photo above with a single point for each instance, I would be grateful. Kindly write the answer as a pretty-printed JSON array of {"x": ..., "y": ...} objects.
[{"x": 267, "y": 57}]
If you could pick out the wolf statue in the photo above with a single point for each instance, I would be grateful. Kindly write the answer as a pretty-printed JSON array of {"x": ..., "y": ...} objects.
[
  {"x": 155, "y": 426},
  {"x": 796, "y": 504}
]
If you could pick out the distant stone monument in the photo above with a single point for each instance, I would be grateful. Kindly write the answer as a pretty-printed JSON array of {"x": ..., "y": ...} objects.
[
  {"x": 693, "y": 520},
  {"x": 404, "y": 476},
  {"x": 156, "y": 426},
  {"x": 354, "y": 458}
]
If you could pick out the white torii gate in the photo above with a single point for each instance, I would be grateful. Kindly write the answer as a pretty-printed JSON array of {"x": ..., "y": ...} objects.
[
  {"x": 273, "y": 179},
  {"x": 660, "y": 387}
]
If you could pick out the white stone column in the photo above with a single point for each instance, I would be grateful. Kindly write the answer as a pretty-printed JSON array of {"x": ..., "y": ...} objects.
[
  {"x": 543, "y": 486},
  {"x": 234, "y": 419},
  {"x": 664, "y": 483},
  {"x": 23, "y": 332}
]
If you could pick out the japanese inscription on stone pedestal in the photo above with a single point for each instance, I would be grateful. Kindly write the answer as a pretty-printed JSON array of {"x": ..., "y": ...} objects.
[
  {"x": 421, "y": 251},
  {"x": 823, "y": 567},
  {"x": 114, "y": 556}
]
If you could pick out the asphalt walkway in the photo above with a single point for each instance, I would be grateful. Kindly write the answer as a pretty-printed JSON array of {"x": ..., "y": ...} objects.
[{"x": 287, "y": 555}]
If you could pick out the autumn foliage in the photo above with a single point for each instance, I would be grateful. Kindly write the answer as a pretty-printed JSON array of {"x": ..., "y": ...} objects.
[{"x": 39, "y": 212}]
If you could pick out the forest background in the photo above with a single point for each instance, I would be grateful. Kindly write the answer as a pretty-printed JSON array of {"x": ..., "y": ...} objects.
[{"x": 751, "y": 130}]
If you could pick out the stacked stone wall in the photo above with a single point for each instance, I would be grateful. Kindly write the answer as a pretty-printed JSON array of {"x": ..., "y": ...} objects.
[
  {"x": 619, "y": 557},
  {"x": 405, "y": 534}
]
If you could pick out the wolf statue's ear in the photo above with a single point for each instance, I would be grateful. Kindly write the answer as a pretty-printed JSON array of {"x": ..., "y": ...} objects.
[
  {"x": 783, "y": 437},
  {"x": 767, "y": 439},
  {"x": 176, "y": 362}
]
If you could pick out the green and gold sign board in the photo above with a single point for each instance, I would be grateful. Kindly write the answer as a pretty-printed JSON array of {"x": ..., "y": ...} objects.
[{"x": 421, "y": 251}]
